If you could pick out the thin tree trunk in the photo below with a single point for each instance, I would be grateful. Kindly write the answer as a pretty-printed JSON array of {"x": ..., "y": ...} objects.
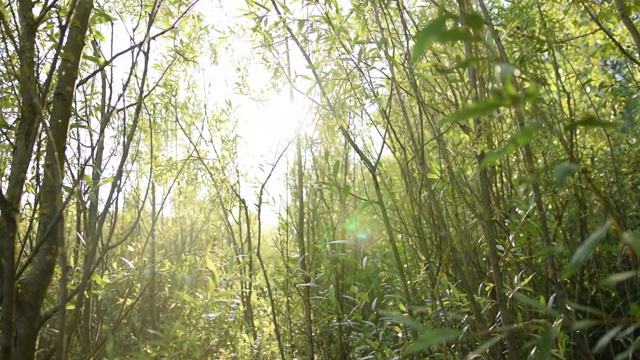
[
  {"x": 552, "y": 271},
  {"x": 29, "y": 121},
  {"x": 306, "y": 278},
  {"x": 488, "y": 225},
  {"x": 33, "y": 287},
  {"x": 152, "y": 245}
]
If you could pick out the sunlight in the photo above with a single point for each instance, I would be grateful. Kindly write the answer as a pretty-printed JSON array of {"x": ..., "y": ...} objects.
[{"x": 268, "y": 127}]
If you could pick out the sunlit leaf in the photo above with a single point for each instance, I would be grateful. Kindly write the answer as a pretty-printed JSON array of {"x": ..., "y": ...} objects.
[
  {"x": 188, "y": 297},
  {"x": 105, "y": 181},
  {"x": 100, "y": 17},
  {"x": 98, "y": 279},
  {"x": 214, "y": 271},
  {"x": 128, "y": 262},
  {"x": 341, "y": 242},
  {"x": 94, "y": 59},
  {"x": 87, "y": 179}
]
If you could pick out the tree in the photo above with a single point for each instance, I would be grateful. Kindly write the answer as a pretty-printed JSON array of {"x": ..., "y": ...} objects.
[
  {"x": 50, "y": 99},
  {"x": 24, "y": 299}
]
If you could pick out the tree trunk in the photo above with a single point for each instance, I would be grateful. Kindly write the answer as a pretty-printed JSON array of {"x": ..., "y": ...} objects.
[
  {"x": 32, "y": 288},
  {"x": 306, "y": 286}
]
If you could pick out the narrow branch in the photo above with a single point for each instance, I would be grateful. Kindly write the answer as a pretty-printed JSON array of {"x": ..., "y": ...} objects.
[
  {"x": 609, "y": 34},
  {"x": 136, "y": 45}
]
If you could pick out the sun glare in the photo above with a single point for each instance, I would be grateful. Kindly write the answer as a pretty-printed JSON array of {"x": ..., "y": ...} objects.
[
  {"x": 266, "y": 127},
  {"x": 271, "y": 125}
]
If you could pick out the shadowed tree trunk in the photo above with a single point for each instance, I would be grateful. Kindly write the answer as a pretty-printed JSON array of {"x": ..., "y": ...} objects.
[{"x": 20, "y": 327}]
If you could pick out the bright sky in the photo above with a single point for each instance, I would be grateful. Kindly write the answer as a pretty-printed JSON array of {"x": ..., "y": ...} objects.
[{"x": 267, "y": 127}]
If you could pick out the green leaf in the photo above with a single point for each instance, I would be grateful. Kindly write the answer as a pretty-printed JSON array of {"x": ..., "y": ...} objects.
[
  {"x": 544, "y": 344},
  {"x": 346, "y": 190},
  {"x": 522, "y": 137},
  {"x": 361, "y": 207},
  {"x": 87, "y": 179},
  {"x": 212, "y": 268},
  {"x": 483, "y": 348},
  {"x": 584, "y": 324},
  {"x": 109, "y": 346},
  {"x": 188, "y": 297},
  {"x": 336, "y": 168},
  {"x": 456, "y": 34},
  {"x": 477, "y": 109},
  {"x": 586, "y": 309},
  {"x": 105, "y": 181},
  {"x": 98, "y": 279},
  {"x": 341, "y": 242},
  {"x": 629, "y": 351},
  {"x": 101, "y": 17},
  {"x": 403, "y": 320},
  {"x": 128, "y": 262},
  {"x": 459, "y": 65},
  {"x": 590, "y": 121},
  {"x": 584, "y": 250},
  {"x": 606, "y": 339},
  {"x": 613, "y": 279},
  {"x": 474, "y": 20},
  {"x": 426, "y": 37},
  {"x": 430, "y": 338},
  {"x": 536, "y": 304},
  {"x": 631, "y": 239},
  {"x": 94, "y": 59},
  {"x": 50, "y": 300},
  {"x": 563, "y": 172}
]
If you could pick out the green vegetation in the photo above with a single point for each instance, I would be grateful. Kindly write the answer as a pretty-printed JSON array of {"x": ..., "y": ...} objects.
[{"x": 464, "y": 182}]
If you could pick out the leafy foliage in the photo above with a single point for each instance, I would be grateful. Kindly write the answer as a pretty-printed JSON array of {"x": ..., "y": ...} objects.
[{"x": 464, "y": 185}]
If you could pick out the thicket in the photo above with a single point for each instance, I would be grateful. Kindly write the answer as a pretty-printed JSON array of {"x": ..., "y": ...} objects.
[{"x": 465, "y": 183}]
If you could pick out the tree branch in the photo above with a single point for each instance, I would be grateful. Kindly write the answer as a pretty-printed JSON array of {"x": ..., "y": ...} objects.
[{"x": 628, "y": 23}]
